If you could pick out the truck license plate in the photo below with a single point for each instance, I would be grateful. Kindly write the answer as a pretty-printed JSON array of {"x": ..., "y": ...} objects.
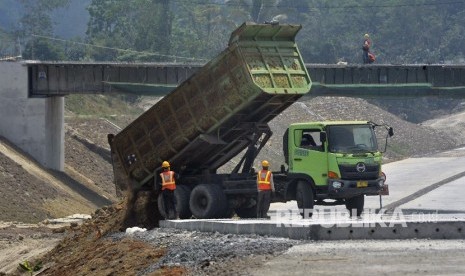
[{"x": 362, "y": 184}]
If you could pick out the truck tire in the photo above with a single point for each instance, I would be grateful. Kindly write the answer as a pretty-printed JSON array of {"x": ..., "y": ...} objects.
[
  {"x": 357, "y": 203},
  {"x": 182, "y": 196},
  {"x": 207, "y": 201},
  {"x": 304, "y": 198}
]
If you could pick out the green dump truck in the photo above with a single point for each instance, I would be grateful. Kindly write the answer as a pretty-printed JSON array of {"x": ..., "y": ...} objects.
[
  {"x": 222, "y": 111},
  {"x": 336, "y": 160}
]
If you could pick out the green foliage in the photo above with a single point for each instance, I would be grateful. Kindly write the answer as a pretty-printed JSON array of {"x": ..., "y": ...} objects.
[
  {"x": 36, "y": 21},
  {"x": 40, "y": 49},
  {"x": 75, "y": 51},
  {"x": 101, "y": 105},
  {"x": 416, "y": 31},
  {"x": 6, "y": 43},
  {"x": 29, "y": 267},
  {"x": 36, "y": 18},
  {"x": 136, "y": 25}
]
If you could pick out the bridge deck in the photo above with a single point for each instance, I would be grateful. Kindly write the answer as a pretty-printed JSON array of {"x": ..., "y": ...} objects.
[{"x": 62, "y": 78}]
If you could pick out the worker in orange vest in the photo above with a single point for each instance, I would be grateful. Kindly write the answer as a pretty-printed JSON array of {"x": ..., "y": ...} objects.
[
  {"x": 168, "y": 185},
  {"x": 265, "y": 186}
]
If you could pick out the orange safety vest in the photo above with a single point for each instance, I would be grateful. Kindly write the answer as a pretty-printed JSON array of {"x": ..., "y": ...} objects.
[
  {"x": 264, "y": 180},
  {"x": 167, "y": 180}
]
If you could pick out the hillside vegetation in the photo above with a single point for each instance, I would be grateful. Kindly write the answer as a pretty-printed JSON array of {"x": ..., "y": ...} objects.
[{"x": 416, "y": 31}]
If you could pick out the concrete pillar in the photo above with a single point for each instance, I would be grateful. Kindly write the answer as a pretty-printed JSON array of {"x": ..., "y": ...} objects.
[
  {"x": 54, "y": 133},
  {"x": 35, "y": 125}
]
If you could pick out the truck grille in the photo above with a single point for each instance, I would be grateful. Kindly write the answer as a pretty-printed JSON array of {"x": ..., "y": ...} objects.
[{"x": 349, "y": 172}]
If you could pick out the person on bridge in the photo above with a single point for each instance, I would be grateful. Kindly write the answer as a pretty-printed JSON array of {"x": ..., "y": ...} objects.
[
  {"x": 366, "y": 48},
  {"x": 168, "y": 185},
  {"x": 265, "y": 186}
]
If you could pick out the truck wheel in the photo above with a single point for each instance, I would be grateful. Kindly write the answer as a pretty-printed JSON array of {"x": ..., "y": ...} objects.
[
  {"x": 250, "y": 212},
  {"x": 357, "y": 203},
  {"x": 207, "y": 201},
  {"x": 182, "y": 195},
  {"x": 304, "y": 198}
]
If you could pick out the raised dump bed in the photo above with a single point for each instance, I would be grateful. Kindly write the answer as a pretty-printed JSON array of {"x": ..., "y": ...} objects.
[{"x": 209, "y": 119}]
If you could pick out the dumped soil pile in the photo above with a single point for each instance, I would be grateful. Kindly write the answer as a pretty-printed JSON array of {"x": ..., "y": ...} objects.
[
  {"x": 87, "y": 249},
  {"x": 99, "y": 247}
]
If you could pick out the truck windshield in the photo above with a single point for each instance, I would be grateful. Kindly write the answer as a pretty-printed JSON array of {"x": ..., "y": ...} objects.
[{"x": 351, "y": 139}]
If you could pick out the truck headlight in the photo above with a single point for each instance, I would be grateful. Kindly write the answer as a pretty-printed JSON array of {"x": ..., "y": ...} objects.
[{"x": 337, "y": 185}]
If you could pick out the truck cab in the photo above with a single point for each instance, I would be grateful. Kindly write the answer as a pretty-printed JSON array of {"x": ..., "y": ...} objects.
[{"x": 337, "y": 160}]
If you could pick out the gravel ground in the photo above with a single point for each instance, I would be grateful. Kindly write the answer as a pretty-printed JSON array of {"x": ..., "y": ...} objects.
[{"x": 211, "y": 253}]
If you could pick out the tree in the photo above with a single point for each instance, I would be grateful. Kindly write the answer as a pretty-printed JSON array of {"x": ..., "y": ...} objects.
[
  {"x": 36, "y": 23},
  {"x": 136, "y": 29}
]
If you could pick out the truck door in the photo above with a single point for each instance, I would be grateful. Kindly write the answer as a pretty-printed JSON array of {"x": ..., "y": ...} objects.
[{"x": 307, "y": 155}]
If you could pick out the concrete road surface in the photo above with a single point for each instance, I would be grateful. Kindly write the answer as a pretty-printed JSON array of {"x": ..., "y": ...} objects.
[{"x": 422, "y": 185}]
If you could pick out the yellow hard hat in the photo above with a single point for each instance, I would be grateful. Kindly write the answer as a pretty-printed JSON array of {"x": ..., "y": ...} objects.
[
  {"x": 165, "y": 164},
  {"x": 366, "y": 36},
  {"x": 265, "y": 163}
]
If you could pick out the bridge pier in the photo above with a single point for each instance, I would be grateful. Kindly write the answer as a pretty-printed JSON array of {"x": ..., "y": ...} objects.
[{"x": 35, "y": 125}]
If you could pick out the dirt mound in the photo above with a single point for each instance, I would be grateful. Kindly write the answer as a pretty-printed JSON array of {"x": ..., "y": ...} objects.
[
  {"x": 87, "y": 250},
  {"x": 410, "y": 139},
  {"x": 30, "y": 193},
  {"x": 87, "y": 153},
  {"x": 141, "y": 210},
  {"x": 453, "y": 124}
]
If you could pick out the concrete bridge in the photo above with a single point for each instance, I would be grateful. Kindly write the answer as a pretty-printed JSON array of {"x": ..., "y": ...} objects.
[{"x": 32, "y": 93}]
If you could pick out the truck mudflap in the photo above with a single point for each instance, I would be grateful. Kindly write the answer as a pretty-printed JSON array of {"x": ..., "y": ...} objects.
[{"x": 338, "y": 188}]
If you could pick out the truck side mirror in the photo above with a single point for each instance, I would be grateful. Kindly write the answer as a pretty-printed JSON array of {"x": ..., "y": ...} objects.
[
  {"x": 322, "y": 137},
  {"x": 391, "y": 132}
]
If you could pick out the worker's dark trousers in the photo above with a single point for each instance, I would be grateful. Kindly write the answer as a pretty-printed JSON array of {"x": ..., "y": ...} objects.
[
  {"x": 168, "y": 199},
  {"x": 263, "y": 203},
  {"x": 365, "y": 57}
]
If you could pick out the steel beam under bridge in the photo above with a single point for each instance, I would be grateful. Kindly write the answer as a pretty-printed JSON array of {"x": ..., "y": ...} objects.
[{"x": 381, "y": 80}]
